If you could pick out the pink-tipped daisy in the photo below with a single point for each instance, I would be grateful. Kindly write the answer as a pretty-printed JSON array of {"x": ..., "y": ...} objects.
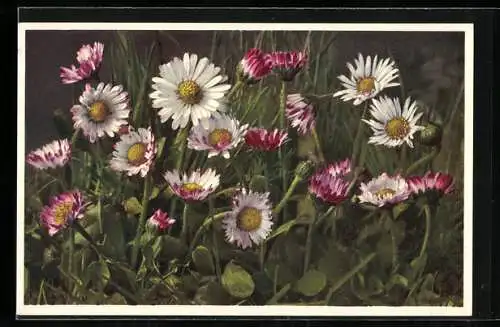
[
  {"x": 250, "y": 220},
  {"x": 265, "y": 140},
  {"x": 329, "y": 184},
  {"x": 254, "y": 66},
  {"x": 196, "y": 186},
  {"x": 368, "y": 79},
  {"x": 286, "y": 64},
  {"x": 54, "y": 154},
  {"x": 300, "y": 113},
  {"x": 160, "y": 220},
  {"x": 134, "y": 153},
  {"x": 384, "y": 190},
  {"x": 89, "y": 58},
  {"x": 101, "y": 111},
  {"x": 223, "y": 134},
  {"x": 431, "y": 182},
  {"x": 62, "y": 210}
]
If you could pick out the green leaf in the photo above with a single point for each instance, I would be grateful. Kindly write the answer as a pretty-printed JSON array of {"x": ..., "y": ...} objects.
[
  {"x": 311, "y": 283},
  {"x": 172, "y": 248},
  {"x": 282, "y": 229},
  {"x": 259, "y": 183},
  {"x": 335, "y": 263},
  {"x": 399, "y": 209},
  {"x": 99, "y": 274},
  {"x": 237, "y": 281},
  {"x": 114, "y": 244},
  {"x": 384, "y": 249},
  {"x": 306, "y": 211},
  {"x": 416, "y": 268},
  {"x": 154, "y": 193},
  {"x": 132, "y": 206},
  {"x": 396, "y": 279},
  {"x": 212, "y": 294},
  {"x": 116, "y": 298},
  {"x": 203, "y": 260}
]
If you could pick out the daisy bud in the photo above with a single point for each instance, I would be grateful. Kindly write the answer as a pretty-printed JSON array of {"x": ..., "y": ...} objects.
[
  {"x": 304, "y": 169},
  {"x": 159, "y": 221},
  {"x": 253, "y": 67},
  {"x": 287, "y": 64},
  {"x": 431, "y": 135}
]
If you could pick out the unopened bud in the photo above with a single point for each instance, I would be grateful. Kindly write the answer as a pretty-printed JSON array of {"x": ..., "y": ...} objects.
[
  {"x": 304, "y": 169},
  {"x": 431, "y": 135}
]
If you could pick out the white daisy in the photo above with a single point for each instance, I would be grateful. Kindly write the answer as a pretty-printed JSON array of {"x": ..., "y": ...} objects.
[
  {"x": 188, "y": 89},
  {"x": 222, "y": 134},
  {"x": 101, "y": 111},
  {"x": 135, "y": 152},
  {"x": 367, "y": 79},
  {"x": 393, "y": 126},
  {"x": 194, "y": 187},
  {"x": 250, "y": 221},
  {"x": 384, "y": 190}
]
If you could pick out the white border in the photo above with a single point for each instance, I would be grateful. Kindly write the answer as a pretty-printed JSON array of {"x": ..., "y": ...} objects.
[{"x": 201, "y": 310}]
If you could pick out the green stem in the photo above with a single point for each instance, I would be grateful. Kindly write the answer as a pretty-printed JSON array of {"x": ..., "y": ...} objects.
[
  {"x": 287, "y": 195},
  {"x": 235, "y": 88},
  {"x": 359, "y": 136},
  {"x": 184, "y": 231},
  {"x": 207, "y": 222},
  {"x": 318, "y": 144},
  {"x": 71, "y": 251},
  {"x": 40, "y": 291},
  {"x": 278, "y": 296},
  {"x": 282, "y": 148},
  {"x": 344, "y": 279},
  {"x": 427, "y": 212},
  {"x": 142, "y": 220},
  {"x": 307, "y": 255},
  {"x": 75, "y": 136},
  {"x": 424, "y": 160},
  {"x": 181, "y": 143},
  {"x": 214, "y": 240}
]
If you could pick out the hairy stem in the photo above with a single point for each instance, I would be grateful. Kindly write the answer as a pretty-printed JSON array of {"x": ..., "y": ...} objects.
[
  {"x": 287, "y": 195},
  {"x": 282, "y": 148},
  {"x": 425, "y": 241},
  {"x": 184, "y": 231},
  {"x": 142, "y": 220},
  {"x": 359, "y": 137},
  {"x": 207, "y": 222},
  {"x": 318, "y": 144},
  {"x": 423, "y": 161}
]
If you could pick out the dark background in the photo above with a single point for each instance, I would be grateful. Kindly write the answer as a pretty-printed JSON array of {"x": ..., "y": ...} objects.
[{"x": 427, "y": 54}]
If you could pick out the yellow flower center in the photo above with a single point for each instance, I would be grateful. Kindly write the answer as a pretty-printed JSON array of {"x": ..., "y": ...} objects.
[
  {"x": 136, "y": 154},
  {"x": 220, "y": 136},
  {"x": 249, "y": 219},
  {"x": 397, "y": 128},
  {"x": 385, "y": 193},
  {"x": 366, "y": 85},
  {"x": 98, "y": 111},
  {"x": 189, "y": 92},
  {"x": 61, "y": 212},
  {"x": 191, "y": 187}
]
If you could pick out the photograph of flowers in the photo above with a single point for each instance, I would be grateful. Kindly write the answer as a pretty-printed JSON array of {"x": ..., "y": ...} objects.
[{"x": 291, "y": 168}]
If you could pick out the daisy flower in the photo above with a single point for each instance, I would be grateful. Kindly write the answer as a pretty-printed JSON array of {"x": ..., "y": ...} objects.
[
  {"x": 194, "y": 187},
  {"x": 134, "y": 153},
  {"x": 367, "y": 79},
  {"x": 62, "y": 210},
  {"x": 329, "y": 184},
  {"x": 254, "y": 66},
  {"x": 431, "y": 182},
  {"x": 160, "y": 220},
  {"x": 250, "y": 219},
  {"x": 384, "y": 190},
  {"x": 101, "y": 111},
  {"x": 52, "y": 155},
  {"x": 286, "y": 64},
  {"x": 300, "y": 113},
  {"x": 89, "y": 58},
  {"x": 265, "y": 140},
  {"x": 393, "y": 126},
  {"x": 222, "y": 134},
  {"x": 188, "y": 89}
]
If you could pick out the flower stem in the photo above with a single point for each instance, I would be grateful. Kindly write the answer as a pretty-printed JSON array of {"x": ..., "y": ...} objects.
[
  {"x": 142, "y": 220},
  {"x": 207, "y": 222},
  {"x": 307, "y": 256},
  {"x": 318, "y": 144},
  {"x": 281, "y": 152},
  {"x": 424, "y": 160},
  {"x": 235, "y": 88},
  {"x": 71, "y": 252},
  {"x": 287, "y": 195},
  {"x": 184, "y": 231},
  {"x": 427, "y": 212},
  {"x": 214, "y": 239},
  {"x": 358, "y": 138},
  {"x": 344, "y": 279},
  {"x": 75, "y": 136},
  {"x": 181, "y": 143}
]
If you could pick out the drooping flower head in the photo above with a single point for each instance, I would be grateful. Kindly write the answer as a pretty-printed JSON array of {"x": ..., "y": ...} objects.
[
  {"x": 134, "y": 153},
  {"x": 102, "y": 110},
  {"x": 254, "y": 66},
  {"x": 160, "y": 220},
  {"x": 431, "y": 182},
  {"x": 330, "y": 183},
  {"x": 222, "y": 134},
  {"x": 265, "y": 140},
  {"x": 250, "y": 219},
  {"x": 367, "y": 79},
  {"x": 52, "y": 155},
  {"x": 196, "y": 186},
  {"x": 384, "y": 190},
  {"x": 286, "y": 64},
  {"x": 393, "y": 126},
  {"x": 189, "y": 90},
  {"x": 62, "y": 210},
  {"x": 300, "y": 113},
  {"x": 89, "y": 58}
]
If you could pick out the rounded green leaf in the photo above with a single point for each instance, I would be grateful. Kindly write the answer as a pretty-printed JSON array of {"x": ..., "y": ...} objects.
[
  {"x": 132, "y": 206},
  {"x": 203, "y": 260},
  {"x": 237, "y": 281},
  {"x": 311, "y": 283}
]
